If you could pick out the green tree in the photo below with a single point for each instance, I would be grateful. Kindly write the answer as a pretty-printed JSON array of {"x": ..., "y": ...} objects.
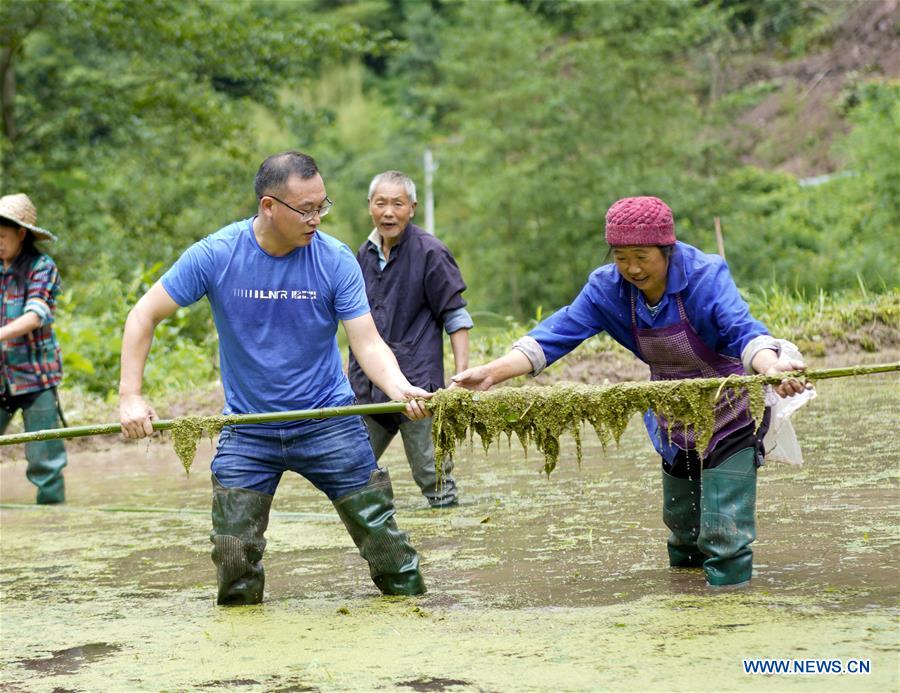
[
  {"x": 133, "y": 126},
  {"x": 131, "y": 121},
  {"x": 545, "y": 130}
]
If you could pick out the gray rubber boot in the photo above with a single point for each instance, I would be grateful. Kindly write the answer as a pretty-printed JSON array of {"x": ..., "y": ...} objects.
[
  {"x": 727, "y": 519},
  {"x": 46, "y": 458},
  {"x": 379, "y": 436},
  {"x": 681, "y": 514},
  {"x": 438, "y": 486},
  {"x": 368, "y": 515},
  {"x": 240, "y": 518}
]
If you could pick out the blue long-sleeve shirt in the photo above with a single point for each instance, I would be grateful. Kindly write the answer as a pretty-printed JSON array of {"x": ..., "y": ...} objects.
[{"x": 715, "y": 309}]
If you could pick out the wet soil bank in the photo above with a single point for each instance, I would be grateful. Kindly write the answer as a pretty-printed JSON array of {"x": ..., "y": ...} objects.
[{"x": 535, "y": 583}]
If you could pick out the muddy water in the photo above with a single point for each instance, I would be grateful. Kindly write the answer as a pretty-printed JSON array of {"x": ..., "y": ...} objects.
[{"x": 535, "y": 583}]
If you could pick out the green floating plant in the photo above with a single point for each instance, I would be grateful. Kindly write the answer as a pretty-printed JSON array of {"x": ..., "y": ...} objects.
[
  {"x": 187, "y": 430},
  {"x": 542, "y": 415}
]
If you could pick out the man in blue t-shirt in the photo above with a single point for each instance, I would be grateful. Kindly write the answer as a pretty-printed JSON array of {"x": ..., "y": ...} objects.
[{"x": 278, "y": 288}]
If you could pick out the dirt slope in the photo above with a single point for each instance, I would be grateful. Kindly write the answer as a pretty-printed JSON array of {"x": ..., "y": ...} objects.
[{"x": 793, "y": 128}]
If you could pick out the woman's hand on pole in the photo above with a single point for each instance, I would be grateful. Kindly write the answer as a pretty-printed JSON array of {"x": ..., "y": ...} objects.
[
  {"x": 768, "y": 362},
  {"x": 512, "y": 365},
  {"x": 475, "y": 378}
]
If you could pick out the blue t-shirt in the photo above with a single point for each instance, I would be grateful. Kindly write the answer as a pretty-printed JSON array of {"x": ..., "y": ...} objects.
[{"x": 276, "y": 317}]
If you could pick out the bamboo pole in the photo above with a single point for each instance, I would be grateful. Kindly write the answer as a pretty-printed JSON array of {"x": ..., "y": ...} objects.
[
  {"x": 138, "y": 509},
  {"x": 233, "y": 420},
  {"x": 397, "y": 407}
]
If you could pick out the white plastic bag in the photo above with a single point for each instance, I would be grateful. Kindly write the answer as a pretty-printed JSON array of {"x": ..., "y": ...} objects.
[{"x": 780, "y": 442}]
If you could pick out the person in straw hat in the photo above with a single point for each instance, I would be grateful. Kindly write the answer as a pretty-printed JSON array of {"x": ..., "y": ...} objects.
[{"x": 30, "y": 361}]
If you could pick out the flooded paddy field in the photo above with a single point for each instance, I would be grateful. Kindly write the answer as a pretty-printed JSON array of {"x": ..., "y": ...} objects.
[{"x": 535, "y": 583}]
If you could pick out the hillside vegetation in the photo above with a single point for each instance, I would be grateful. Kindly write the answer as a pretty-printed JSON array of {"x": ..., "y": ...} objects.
[{"x": 137, "y": 127}]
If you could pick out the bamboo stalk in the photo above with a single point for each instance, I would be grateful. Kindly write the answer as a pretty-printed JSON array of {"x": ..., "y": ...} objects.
[
  {"x": 397, "y": 407},
  {"x": 138, "y": 509},
  {"x": 233, "y": 420}
]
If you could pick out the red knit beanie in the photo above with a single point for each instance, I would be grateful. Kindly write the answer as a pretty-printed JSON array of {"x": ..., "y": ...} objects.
[{"x": 640, "y": 221}]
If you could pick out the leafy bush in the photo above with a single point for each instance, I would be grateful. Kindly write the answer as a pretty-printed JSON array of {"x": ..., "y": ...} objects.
[
  {"x": 830, "y": 236},
  {"x": 90, "y": 319}
]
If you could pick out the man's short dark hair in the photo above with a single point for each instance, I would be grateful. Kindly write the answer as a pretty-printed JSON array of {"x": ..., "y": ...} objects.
[{"x": 274, "y": 172}]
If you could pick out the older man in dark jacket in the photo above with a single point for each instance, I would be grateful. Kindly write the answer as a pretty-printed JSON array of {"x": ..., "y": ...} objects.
[{"x": 415, "y": 290}]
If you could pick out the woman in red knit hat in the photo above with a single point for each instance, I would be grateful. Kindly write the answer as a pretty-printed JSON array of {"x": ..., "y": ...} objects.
[{"x": 678, "y": 310}]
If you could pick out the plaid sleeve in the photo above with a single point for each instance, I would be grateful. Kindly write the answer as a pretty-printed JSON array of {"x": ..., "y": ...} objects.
[{"x": 43, "y": 285}]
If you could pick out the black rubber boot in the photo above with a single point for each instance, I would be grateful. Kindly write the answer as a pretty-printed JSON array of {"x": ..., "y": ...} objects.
[
  {"x": 727, "y": 519},
  {"x": 368, "y": 515},
  {"x": 681, "y": 514},
  {"x": 240, "y": 518}
]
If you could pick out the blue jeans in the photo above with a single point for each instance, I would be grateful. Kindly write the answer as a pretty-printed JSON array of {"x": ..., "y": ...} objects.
[{"x": 333, "y": 454}]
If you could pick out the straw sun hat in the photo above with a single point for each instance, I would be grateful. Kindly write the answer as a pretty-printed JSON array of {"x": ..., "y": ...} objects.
[{"x": 19, "y": 209}]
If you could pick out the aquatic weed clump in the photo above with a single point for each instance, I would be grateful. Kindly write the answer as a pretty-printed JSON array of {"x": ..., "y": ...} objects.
[
  {"x": 535, "y": 414},
  {"x": 541, "y": 415},
  {"x": 186, "y": 431}
]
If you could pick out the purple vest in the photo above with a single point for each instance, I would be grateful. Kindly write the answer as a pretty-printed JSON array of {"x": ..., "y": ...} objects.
[{"x": 676, "y": 352}]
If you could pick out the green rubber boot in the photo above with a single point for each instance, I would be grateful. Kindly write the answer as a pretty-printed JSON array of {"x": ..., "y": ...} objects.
[
  {"x": 240, "y": 518},
  {"x": 727, "y": 519},
  {"x": 681, "y": 514},
  {"x": 46, "y": 458},
  {"x": 368, "y": 515}
]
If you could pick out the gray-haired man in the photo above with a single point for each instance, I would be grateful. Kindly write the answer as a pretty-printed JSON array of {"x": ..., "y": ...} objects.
[{"x": 415, "y": 290}]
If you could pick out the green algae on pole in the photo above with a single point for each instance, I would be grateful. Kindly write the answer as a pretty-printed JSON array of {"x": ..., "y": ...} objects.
[
  {"x": 187, "y": 430},
  {"x": 541, "y": 415}
]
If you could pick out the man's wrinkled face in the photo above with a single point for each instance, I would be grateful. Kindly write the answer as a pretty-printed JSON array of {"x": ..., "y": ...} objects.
[
  {"x": 391, "y": 209},
  {"x": 11, "y": 240}
]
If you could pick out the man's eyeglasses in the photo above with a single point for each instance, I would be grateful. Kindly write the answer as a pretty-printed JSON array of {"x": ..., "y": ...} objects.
[{"x": 306, "y": 216}]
